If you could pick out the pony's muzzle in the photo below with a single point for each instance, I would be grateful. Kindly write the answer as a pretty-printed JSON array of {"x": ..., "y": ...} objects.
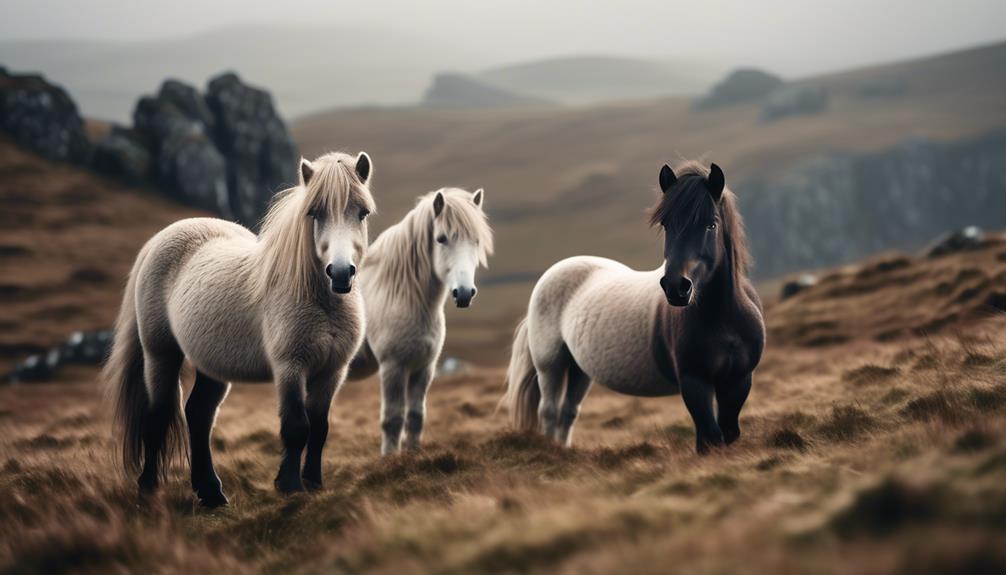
[
  {"x": 463, "y": 296},
  {"x": 342, "y": 277},
  {"x": 678, "y": 292}
]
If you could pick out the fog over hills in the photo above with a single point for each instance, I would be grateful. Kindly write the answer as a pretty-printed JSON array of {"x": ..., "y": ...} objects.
[
  {"x": 593, "y": 79},
  {"x": 306, "y": 69}
]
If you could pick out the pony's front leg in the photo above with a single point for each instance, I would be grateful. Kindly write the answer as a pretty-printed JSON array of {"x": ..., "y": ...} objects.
[
  {"x": 393, "y": 381},
  {"x": 319, "y": 402},
  {"x": 294, "y": 429},
  {"x": 419, "y": 383},
  {"x": 698, "y": 396},
  {"x": 730, "y": 399}
]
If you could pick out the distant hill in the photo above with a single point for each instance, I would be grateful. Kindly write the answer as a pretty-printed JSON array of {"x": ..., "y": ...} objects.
[
  {"x": 576, "y": 180},
  {"x": 306, "y": 69},
  {"x": 461, "y": 91},
  {"x": 586, "y": 80}
]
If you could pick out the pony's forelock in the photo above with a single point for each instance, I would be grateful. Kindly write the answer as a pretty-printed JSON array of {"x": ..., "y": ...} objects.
[{"x": 688, "y": 202}]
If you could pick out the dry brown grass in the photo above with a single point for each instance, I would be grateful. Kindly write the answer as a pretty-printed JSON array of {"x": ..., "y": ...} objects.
[{"x": 832, "y": 474}]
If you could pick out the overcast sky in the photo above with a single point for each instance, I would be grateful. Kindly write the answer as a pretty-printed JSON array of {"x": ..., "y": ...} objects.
[{"x": 792, "y": 37}]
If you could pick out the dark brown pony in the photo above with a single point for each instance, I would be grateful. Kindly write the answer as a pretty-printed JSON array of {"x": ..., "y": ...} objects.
[
  {"x": 713, "y": 331},
  {"x": 693, "y": 326}
]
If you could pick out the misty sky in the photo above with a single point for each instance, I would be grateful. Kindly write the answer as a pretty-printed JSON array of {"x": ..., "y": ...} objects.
[{"x": 789, "y": 37}]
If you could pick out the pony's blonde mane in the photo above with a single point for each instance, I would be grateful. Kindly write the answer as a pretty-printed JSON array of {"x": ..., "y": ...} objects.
[
  {"x": 286, "y": 236},
  {"x": 401, "y": 258}
]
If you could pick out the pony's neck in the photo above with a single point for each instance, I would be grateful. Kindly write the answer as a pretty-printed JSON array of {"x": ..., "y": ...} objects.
[{"x": 721, "y": 289}]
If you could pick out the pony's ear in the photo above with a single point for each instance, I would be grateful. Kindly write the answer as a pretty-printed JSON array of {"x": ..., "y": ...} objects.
[
  {"x": 477, "y": 198},
  {"x": 306, "y": 171},
  {"x": 363, "y": 167},
  {"x": 717, "y": 181},
  {"x": 438, "y": 204},
  {"x": 667, "y": 178}
]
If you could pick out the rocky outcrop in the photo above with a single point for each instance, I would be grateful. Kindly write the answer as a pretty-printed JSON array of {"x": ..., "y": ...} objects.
[
  {"x": 227, "y": 152},
  {"x": 460, "y": 91},
  {"x": 962, "y": 240},
  {"x": 261, "y": 156},
  {"x": 42, "y": 117},
  {"x": 82, "y": 348},
  {"x": 123, "y": 154},
  {"x": 743, "y": 85},
  {"x": 794, "y": 101},
  {"x": 842, "y": 208},
  {"x": 186, "y": 162}
]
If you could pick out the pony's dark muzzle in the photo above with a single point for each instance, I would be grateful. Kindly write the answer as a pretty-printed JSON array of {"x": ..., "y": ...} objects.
[
  {"x": 678, "y": 292},
  {"x": 342, "y": 277},
  {"x": 463, "y": 296}
]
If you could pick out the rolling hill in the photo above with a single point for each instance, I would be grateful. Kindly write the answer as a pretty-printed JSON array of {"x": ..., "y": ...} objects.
[
  {"x": 593, "y": 79},
  {"x": 569, "y": 181}
]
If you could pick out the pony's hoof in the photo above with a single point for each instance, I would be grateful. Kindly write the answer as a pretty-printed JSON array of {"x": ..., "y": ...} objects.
[
  {"x": 311, "y": 484},
  {"x": 213, "y": 500},
  {"x": 288, "y": 486}
]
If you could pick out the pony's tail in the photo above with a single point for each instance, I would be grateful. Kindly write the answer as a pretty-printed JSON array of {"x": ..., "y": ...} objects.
[
  {"x": 123, "y": 376},
  {"x": 125, "y": 387},
  {"x": 522, "y": 393}
]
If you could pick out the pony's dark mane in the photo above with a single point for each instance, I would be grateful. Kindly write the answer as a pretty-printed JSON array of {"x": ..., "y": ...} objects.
[{"x": 688, "y": 202}]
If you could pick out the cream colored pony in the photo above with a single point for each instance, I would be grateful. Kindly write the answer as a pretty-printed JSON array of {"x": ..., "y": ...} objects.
[
  {"x": 408, "y": 273},
  {"x": 238, "y": 307}
]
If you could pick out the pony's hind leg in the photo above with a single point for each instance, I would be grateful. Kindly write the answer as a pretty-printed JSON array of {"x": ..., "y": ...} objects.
[
  {"x": 415, "y": 397},
  {"x": 201, "y": 413},
  {"x": 577, "y": 386},
  {"x": 319, "y": 402},
  {"x": 393, "y": 382},
  {"x": 730, "y": 399},
  {"x": 551, "y": 384},
  {"x": 294, "y": 428},
  {"x": 162, "y": 433}
]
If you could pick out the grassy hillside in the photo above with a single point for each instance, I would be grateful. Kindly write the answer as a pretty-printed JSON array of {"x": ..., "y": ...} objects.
[
  {"x": 573, "y": 181},
  {"x": 856, "y": 456},
  {"x": 67, "y": 241}
]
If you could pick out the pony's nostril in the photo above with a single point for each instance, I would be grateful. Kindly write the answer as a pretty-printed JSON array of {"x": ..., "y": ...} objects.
[
  {"x": 454, "y": 293},
  {"x": 475, "y": 290},
  {"x": 684, "y": 287},
  {"x": 352, "y": 270},
  {"x": 328, "y": 270}
]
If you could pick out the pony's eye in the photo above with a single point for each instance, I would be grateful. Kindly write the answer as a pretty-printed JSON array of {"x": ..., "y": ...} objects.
[
  {"x": 364, "y": 214},
  {"x": 314, "y": 214},
  {"x": 441, "y": 239},
  {"x": 711, "y": 226}
]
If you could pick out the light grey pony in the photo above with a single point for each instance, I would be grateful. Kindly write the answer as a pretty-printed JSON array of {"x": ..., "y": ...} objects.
[
  {"x": 406, "y": 276},
  {"x": 239, "y": 307}
]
